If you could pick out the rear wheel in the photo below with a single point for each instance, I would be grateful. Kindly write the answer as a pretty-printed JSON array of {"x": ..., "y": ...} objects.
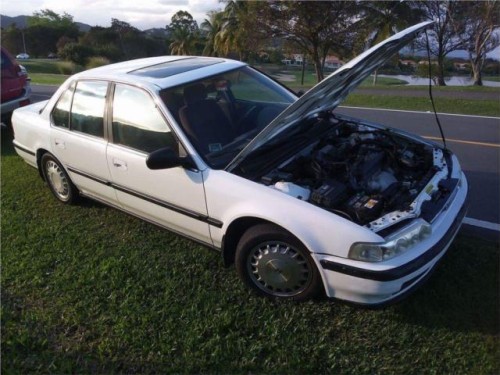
[
  {"x": 58, "y": 180},
  {"x": 276, "y": 264}
]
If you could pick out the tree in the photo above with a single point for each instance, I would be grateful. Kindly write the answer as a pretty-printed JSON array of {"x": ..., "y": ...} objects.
[
  {"x": 183, "y": 42},
  {"x": 381, "y": 19},
  {"x": 475, "y": 23},
  {"x": 239, "y": 31},
  {"x": 46, "y": 28},
  {"x": 47, "y": 17},
  {"x": 12, "y": 39},
  {"x": 77, "y": 53},
  {"x": 184, "y": 33},
  {"x": 127, "y": 36},
  {"x": 314, "y": 27},
  {"x": 442, "y": 38},
  {"x": 211, "y": 27},
  {"x": 183, "y": 20},
  {"x": 105, "y": 42}
]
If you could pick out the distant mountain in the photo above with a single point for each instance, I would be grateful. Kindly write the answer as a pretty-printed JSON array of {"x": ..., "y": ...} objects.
[
  {"x": 22, "y": 21},
  {"x": 83, "y": 27},
  {"x": 158, "y": 32}
]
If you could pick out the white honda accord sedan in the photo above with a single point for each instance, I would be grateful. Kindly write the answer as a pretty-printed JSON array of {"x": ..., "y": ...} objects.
[{"x": 303, "y": 200}]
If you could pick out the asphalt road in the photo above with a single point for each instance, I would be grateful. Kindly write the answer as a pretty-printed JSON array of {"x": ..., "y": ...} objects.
[{"x": 475, "y": 140}]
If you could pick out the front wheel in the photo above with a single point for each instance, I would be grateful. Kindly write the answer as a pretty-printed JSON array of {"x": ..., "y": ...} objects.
[
  {"x": 276, "y": 264},
  {"x": 58, "y": 180}
]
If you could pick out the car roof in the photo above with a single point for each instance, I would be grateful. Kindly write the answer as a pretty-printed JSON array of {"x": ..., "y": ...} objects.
[{"x": 162, "y": 71}]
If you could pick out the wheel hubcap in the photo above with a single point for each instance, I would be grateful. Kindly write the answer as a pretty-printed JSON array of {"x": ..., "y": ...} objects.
[
  {"x": 57, "y": 180},
  {"x": 279, "y": 269}
]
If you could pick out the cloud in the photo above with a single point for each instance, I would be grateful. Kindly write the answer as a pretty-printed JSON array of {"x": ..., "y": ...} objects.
[
  {"x": 149, "y": 14},
  {"x": 175, "y": 2}
]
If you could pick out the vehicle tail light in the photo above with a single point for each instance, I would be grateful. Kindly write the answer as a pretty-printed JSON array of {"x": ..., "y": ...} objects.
[{"x": 21, "y": 71}]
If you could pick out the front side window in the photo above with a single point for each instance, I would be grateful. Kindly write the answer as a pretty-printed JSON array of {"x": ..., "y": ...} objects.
[
  {"x": 137, "y": 123},
  {"x": 87, "y": 111}
]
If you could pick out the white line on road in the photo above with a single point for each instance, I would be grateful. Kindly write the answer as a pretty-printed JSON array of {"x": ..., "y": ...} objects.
[
  {"x": 482, "y": 224},
  {"x": 427, "y": 112}
]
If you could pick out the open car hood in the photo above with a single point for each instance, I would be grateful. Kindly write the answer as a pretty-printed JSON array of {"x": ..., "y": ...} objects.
[{"x": 330, "y": 92}]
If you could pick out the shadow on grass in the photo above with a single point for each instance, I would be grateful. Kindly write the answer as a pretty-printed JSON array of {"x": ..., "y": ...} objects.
[
  {"x": 463, "y": 293},
  {"x": 8, "y": 150},
  {"x": 7, "y": 137},
  {"x": 32, "y": 347}
]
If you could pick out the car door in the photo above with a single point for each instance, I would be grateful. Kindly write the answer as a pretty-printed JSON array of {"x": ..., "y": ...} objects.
[
  {"x": 173, "y": 198},
  {"x": 78, "y": 139}
]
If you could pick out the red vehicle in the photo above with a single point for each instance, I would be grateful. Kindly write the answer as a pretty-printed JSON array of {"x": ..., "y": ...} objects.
[{"x": 16, "y": 88}]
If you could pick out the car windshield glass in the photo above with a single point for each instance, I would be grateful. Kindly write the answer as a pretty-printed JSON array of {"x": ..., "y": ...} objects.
[{"x": 221, "y": 114}]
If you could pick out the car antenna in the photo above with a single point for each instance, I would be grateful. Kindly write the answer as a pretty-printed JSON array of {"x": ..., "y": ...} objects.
[{"x": 430, "y": 90}]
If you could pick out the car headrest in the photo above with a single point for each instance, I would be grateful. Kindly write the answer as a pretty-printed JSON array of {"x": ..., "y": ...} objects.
[{"x": 194, "y": 93}]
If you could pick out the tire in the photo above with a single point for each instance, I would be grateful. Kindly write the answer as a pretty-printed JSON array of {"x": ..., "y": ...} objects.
[
  {"x": 276, "y": 264},
  {"x": 58, "y": 180}
]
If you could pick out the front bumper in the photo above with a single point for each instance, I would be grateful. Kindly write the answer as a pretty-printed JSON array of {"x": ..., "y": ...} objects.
[{"x": 376, "y": 285}]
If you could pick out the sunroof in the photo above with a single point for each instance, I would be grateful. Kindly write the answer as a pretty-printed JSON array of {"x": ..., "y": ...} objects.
[{"x": 172, "y": 68}]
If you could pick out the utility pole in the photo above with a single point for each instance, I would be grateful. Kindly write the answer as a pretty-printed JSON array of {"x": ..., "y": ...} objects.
[{"x": 24, "y": 42}]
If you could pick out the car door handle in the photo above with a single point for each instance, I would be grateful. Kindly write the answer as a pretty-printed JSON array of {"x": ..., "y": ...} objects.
[
  {"x": 59, "y": 143},
  {"x": 120, "y": 164}
]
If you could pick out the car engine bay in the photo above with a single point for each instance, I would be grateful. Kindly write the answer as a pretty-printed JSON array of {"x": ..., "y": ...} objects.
[{"x": 360, "y": 172}]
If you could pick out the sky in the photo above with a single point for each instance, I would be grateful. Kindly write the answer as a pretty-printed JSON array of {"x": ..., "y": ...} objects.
[{"x": 143, "y": 14}]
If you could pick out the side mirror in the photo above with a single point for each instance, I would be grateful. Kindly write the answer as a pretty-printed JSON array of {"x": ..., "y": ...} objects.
[
  {"x": 166, "y": 158},
  {"x": 300, "y": 93}
]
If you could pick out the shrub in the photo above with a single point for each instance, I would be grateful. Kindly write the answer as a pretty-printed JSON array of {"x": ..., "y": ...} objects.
[
  {"x": 66, "y": 67},
  {"x": 110, "y": 52},
  {"x": 76, "y": 52},
  {"x": 97, "y": 61}
]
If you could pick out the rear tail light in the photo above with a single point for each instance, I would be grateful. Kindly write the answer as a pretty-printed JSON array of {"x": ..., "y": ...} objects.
[{"x": 21, "y": 71}]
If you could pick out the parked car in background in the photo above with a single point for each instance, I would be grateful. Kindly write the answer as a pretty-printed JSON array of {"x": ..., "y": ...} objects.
[
  {"x": 303, "y": 200},
  {"x": 16, "y": 90},
  {"x": 52, "y": 55},
  {"x": 22, "y": 56}
]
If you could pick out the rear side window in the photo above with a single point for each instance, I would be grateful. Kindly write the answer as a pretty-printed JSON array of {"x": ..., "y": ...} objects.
[
  {"x": 87, "y": 110},
  {"x": 6, "y": 63},
  {"x": 60, "y": 114},
  {"x": 137, "y": 123}
]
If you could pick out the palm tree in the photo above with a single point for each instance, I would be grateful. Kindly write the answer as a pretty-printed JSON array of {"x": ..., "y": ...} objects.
[
  {"x": 226, "y": 36},
  {"x": 237, "y": 30},
  {"x": 212, "y": 26},
  {"x": 183, "y": 42}
]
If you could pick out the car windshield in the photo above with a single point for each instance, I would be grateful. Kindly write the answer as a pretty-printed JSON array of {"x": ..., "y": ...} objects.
[{"x": 221, "y": 114}]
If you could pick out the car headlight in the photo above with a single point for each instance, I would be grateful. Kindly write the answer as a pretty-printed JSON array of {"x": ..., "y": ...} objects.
[{"x": 394, "y": 245}]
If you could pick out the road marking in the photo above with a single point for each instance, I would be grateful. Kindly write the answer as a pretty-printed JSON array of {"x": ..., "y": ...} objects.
[
  {"x": 420, "y": 112},
  {"x": 482, "y": 224},
  {"x": 465, "y": 142}
]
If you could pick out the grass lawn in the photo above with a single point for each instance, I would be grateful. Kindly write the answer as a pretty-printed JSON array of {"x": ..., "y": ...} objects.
[
  {"x": 491, "y": 78},
  {"x": 88, "y": 289},
  {"x": 47, "y": 79},
  {"x": 49, "y": 66}
]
